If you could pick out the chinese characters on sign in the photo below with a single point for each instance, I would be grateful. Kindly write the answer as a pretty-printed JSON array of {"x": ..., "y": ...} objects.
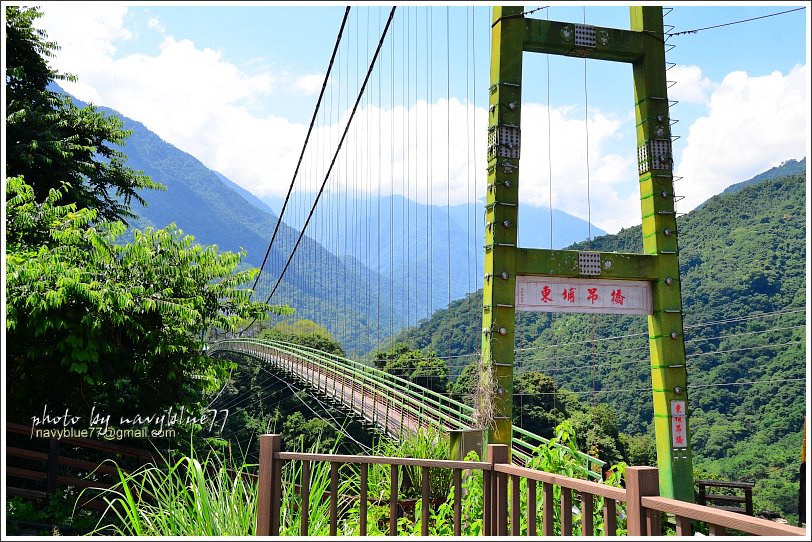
[
  {"x": 679, "y": 435},
  {"x": 550, "y": 294}
]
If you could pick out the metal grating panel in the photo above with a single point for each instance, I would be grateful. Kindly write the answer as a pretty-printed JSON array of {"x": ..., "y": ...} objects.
[
  {"x": 589, "y": 263},
  {"x": 661, "y": 154},
  {"x": 655, "y": 154},
  {"x": 504, "y": 141},
  {"x": 642, "y": 159},
  {"x": 584, "y": 35}
]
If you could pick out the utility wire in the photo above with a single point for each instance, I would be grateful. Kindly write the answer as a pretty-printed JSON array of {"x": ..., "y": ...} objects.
[
  {"x": 522, "y": 14},
  {"x": 690, "y": 387},
  {"x": 694, "y": 31},
  {"x": 743, "y": 349},
  {"x": 335, "y": 423}
]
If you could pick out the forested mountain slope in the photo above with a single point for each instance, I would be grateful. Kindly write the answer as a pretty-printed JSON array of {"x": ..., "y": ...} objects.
[
  {"x": 216, "y": 211},
  {"x": 742, "y": 260}
]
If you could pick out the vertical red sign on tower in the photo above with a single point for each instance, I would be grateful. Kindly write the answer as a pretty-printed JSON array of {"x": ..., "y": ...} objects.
[{"x": 679, "y": 433}]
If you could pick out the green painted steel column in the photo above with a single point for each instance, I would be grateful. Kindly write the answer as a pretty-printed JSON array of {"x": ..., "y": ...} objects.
[
  {"x": 655, "y": 168},
  {"x": 501, "y": 214}
]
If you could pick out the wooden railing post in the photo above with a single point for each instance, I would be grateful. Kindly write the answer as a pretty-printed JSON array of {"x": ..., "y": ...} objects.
[
  {"x": 498, "y": 453},
  {"x": 748, "y": 501},
  {"x": 640, "y": 482},
  {"x": 267, "y": 490},
  {"x": 53, "y": 465}
]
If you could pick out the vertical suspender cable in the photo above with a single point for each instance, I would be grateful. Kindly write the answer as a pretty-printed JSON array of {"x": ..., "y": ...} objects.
[
  {"x": 467, "y": 160},
  {"x": 428, "y": 169},
  {"x": 392, "y": 195},
  {"x": 550, "y": 197},
  {"x": 593, "y": 449},
  {"x": 448, "y": 157},
  {"x": 379, "y": 144},
  {"x": 307, "y": 138},
  {"x": 338, "y": 149},
  {"x": 408, "y": 158}
]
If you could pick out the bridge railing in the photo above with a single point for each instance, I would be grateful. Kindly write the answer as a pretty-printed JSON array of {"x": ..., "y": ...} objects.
[
  {"x": 516, "y": 501},
  {"x": 422, "y": 405}
]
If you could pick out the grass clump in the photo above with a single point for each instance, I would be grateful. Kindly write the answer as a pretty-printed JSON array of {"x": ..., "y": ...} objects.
[{"x": 186, "y": 497}]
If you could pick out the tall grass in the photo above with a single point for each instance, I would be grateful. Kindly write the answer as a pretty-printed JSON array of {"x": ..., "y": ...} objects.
[
  {"x": 184, "y": 498},
  {"x": 209, "y": 498}
]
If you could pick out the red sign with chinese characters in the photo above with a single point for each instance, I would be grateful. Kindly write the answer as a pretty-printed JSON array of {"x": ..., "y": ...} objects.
[
  {"x": 679, "y": 433},
  {"x": 550, "y": 294}
]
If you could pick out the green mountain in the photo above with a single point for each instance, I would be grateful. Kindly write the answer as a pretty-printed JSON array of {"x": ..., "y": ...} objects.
[
  {"x": 742, "y": 260},
  {"x": 404, "y": 239},
  {"x": 213, "y": 209},
  {"x": 790, "y": 167}
]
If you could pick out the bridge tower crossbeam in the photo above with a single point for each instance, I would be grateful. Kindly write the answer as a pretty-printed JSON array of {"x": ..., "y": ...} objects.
[{"x": 658, "y": 266}]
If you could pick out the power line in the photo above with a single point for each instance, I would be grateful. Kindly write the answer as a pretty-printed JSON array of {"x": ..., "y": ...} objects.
[
  {"x": 742, "y": 349},
  {"x": 744, "y": 333},
  {"x": 749, "y": 382},
  {"x": 641, "y": 335},
  {"x": 335, "y": 423},
  {"x": 694, "y": 31},
  {"x": 745, "y": 318},
  {"x": 522, "y": 14},
  {"x": 690, "y": 387}
]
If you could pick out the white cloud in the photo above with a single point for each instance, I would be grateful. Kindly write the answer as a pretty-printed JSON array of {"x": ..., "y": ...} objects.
[
  {"x": 198, "y": 101},
  {"x": 309, "y": 84},
  {"x": 457, "y": 158},
  {"x": 753, "y": 124},
  {"x": 155, "y": 24},
  {"x": 690, "y": 86},
  {"x": 610, "y": 180},
  {"x": 85, "y": 32}
]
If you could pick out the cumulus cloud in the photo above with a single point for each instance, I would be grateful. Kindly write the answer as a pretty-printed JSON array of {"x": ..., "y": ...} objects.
[
  {"x": 690, "y": 86},
  {"x": 309, "y": 84},
  {"x": 85, "y": 36},
  {"x": 198, "y": 101},
  {"x": 419, "y": 156},
  {"x": 753, "y": 124}
]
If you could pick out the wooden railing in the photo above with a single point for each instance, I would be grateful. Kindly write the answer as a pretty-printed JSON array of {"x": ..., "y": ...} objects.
[
  {"x": 38, "y": 471},
  {"x": 718, "y": 500},
  {"x": 502, "y": 498}
]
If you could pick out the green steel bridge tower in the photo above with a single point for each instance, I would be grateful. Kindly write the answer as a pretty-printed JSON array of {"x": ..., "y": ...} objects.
[{"x": 510, "y": 271}]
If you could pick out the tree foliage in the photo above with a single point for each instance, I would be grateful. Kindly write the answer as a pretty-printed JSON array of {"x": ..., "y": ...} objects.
[
  {"x": 118, "y": 325},
  {"x": 304, "y": 333},
  {"x": 52, "y": 143},
  {"x": 423, "y": 368}
]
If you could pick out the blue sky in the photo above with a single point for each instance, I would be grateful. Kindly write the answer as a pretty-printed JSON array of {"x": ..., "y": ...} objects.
[{"x": 235, "y": 85}]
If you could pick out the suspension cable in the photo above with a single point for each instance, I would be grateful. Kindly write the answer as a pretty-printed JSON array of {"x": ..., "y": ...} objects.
[
  {"x": 304, "y": 147},
  {"x": 335, "y": 156}
]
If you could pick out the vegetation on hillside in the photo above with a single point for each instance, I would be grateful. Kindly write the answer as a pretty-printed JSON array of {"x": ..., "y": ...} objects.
[
  {"x": 95, "y": 325},
  {"x": 52, "y": 143},
  {"x": 303, "y": 333},
  {"x": 742, "y": 257}
]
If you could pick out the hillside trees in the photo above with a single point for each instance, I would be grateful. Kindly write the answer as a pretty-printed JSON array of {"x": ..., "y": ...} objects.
[
  {"x": 91, "y": 321},
  {"x": 424, "y": 369},
  {"x": 54, "y": 144},
  {"x": 304, "y": 333}
]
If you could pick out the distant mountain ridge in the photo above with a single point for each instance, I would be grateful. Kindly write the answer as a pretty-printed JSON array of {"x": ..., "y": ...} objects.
[
  {"x": 415, "y": 237},
  {"x": 208, "y": 206},
  {"x": 789, "y": 167}
]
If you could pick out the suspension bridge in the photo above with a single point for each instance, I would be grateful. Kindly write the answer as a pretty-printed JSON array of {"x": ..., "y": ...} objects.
[{"x": 377, "y": 245}]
